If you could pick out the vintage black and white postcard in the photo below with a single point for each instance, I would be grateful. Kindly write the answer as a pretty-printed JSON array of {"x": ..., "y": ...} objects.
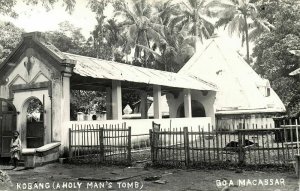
[{"x": 150, "y": 95}]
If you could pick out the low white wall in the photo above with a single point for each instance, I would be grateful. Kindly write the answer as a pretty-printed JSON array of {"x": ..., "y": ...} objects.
[
  {"x": 142, "y": 126},
  {"x": 252, "y": 121}
]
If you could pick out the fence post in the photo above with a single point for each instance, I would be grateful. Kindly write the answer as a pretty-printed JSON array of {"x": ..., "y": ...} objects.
[
  {"x": 101, "y": 137},
  {"x": 70, "y": 144},
  {"x": 129, "y": 146},
  {"x": 151, "y": 144},
  {"x": 186, "y": 146},
  {"x": 241, "y": 149}
]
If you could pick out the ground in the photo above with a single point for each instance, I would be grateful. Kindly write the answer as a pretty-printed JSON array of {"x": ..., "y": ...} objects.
[{"x": 92, "y": 177}]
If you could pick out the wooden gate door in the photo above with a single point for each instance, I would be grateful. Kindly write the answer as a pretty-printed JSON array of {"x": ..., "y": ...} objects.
[
  {"x": 35, "y": 134},
  {"x": 8, "y": 124}
]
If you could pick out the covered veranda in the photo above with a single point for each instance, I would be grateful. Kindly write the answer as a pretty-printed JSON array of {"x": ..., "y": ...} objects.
[{"x": 114, "y": 78}]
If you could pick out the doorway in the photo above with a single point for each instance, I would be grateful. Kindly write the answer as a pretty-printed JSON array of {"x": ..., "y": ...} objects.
[
  {"x": 197, "y": 110},
  {"x": 8, "y": 124},
  {"x": 34, "y": 123}
]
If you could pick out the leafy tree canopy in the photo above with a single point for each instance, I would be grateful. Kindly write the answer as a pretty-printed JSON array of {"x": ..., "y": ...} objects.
[
  {"x": 273, "y": 59},
  {"x": 10, "y": 36}
]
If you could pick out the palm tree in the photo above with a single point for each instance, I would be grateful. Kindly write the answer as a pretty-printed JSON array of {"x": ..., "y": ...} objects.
[
  {"x": 239, "y": 16},
  {"x": 172, "y": 48},
  {"x": 113, "y": 37},
  {"x": 193, "y": 19},
  {"x": 171, "y": 52},
  {"x": 165, "y": 11},
  {"x": 137, "y": 25}
]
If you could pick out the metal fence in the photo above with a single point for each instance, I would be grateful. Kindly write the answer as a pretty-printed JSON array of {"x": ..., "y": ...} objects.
[{"x": 100, "y": 144}]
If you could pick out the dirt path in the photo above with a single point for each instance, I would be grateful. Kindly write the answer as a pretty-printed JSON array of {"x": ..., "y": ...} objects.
[{"x": 65, "y": 177}]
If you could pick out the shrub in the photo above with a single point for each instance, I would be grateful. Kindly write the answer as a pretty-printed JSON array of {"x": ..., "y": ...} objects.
[{"x": 5, "y": 181}]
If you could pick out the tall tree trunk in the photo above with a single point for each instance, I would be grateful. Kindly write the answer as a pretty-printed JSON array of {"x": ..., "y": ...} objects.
[
  {"x": 95, "y": 48},
  {"x": 196, "y": 28},
  {"x": 137, "y": 50},
  {"x": 247, "y": 39},
  {"x": 145, "y": 59},
  {"x": 113, "y": 53},
  {"x": 145, "y": 53}
]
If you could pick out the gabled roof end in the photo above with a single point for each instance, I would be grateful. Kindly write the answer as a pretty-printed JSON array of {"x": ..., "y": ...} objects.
[{"x": 33, "y": 35}]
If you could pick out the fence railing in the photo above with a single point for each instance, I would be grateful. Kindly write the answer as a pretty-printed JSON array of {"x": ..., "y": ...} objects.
[
  {"x": 184, "y": 147},
  {"x": 100, "y": 144},
  {"x": 247, "y": 145}
]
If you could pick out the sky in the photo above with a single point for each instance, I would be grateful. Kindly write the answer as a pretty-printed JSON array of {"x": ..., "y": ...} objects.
[{"x": 37, "y": 18}]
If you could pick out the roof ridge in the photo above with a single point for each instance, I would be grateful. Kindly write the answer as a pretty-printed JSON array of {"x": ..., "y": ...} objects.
[
  {"x": 116, "y": 62},
  {"x": 187, "y": 65},
  {"x": 172, "y": 73},
  {"x": 204, "y": 81}
]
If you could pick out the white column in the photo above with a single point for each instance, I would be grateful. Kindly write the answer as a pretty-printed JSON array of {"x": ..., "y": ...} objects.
[
  {"x": 187, "y": 99},
  {"x": 116, "y": 100},
  {"x": 157, "y": 102},
  {"x": 66, "y": 97},
  {"x": 144, "y": 105},
  {"x": 63, "y": 132},
  {"x": 108, "y": 103}
]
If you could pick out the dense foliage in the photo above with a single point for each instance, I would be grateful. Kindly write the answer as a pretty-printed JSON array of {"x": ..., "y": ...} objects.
[
  {"x": 241, "y": 17},
  {"x": 10, "y": 36},
  {"x": 273, "y": 59}
]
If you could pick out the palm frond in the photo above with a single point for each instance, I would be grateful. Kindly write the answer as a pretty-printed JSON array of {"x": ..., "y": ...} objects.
[
  {"x": 207, "y": 24},
  {"x": 149, "y": 50},
  {"x": 131, "y": 31},
  {"x": 261, "y": 24},
  {"x": 223, "y": 22},
  {"x": 137, "y": 7},
  {"x": 177, "y": 20},
  {"x": 254, "y": 34},
  {"x": 220, "y": 5},
  {"x": 147, "y": 11},
  {"x": 236, "y": 25},
  {"x": 125, "y": 23}
]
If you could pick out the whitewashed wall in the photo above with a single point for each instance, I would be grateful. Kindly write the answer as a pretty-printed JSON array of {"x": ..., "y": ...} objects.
[{"x": 142, "y": 126}]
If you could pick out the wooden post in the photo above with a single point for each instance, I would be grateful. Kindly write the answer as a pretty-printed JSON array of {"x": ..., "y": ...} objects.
[
  {"x": 297, "y": 136},
  {"x": 217, "y": 143},
  {"x": 241, "y": 149},
  {"x": 129, "y": 146},
  {"x": 151, "y": 145},
  {"x": 297, "y": 158},
  {"x": 208, "y": 149},
  {"x": 102, "y": 152},
  {"x": 186, "y": 146},
  {"x": 70, "y": 143}
]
